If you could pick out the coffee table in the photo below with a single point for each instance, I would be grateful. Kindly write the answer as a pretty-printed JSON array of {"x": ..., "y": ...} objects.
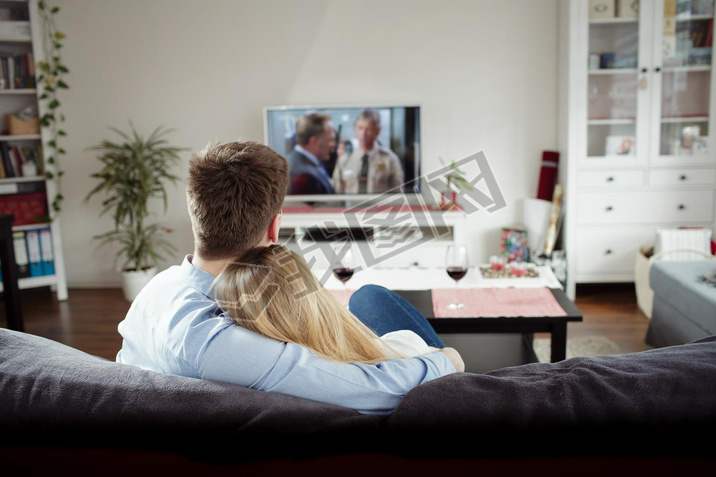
[
  {"x": 485, "y": 343},
  {"x": 556, "y": 326}
]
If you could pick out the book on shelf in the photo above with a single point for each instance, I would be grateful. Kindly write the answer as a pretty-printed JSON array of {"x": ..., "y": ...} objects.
[
  {"x": 6, "y": 159},
  {"x": 21, "y": 257},
  {"x": 13, "y": 13},
  {"x": 17, "y": 71},
  {"x": 19, "y": 161}
]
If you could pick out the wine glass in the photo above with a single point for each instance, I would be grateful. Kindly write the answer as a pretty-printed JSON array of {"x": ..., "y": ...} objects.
[
  {"x": 343, "y": 271},
  {"x": 456, "y": 267}
]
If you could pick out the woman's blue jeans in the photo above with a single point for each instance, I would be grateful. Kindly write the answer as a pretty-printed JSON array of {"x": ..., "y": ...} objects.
[{"x": 384, "y": 311}]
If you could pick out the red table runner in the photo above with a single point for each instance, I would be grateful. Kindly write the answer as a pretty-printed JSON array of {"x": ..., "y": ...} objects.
[{"x": 496, "y": 302}]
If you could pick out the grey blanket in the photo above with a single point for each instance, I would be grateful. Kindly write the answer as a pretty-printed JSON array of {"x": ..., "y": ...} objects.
[{"x": 53, "y": 394}]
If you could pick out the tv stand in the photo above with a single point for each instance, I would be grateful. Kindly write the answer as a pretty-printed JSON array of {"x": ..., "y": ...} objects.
[
  {"x": 342, "y": 204},
  {"x": 384, "y": 236}
]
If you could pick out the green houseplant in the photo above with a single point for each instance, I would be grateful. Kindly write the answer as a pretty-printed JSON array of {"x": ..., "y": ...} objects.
[
  {"x": 50, "y": 81},
  {"x": 134, "y": 171}
]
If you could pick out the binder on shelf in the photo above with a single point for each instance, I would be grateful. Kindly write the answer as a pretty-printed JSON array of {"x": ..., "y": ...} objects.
[
  {"x": 48, "y": 258},
  {"x": 34, "y": 253},
  {"x": 21, "y": 258}
]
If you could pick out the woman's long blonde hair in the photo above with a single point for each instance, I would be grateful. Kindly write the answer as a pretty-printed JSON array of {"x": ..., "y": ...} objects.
[{"x": 271, "y": 291}]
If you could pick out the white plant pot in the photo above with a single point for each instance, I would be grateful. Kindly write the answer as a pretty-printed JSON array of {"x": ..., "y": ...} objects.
[{"x": 133, "y": 281}]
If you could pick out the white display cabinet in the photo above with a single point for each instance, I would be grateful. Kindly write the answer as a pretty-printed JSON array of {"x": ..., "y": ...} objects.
[{"x": 637, "y": 98}]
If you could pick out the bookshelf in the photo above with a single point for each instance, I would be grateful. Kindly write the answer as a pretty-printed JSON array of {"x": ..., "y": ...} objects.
[{"x": 24, "y": 191}]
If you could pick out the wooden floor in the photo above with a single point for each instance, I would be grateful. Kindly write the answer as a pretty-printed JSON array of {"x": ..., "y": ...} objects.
[{"x": 88, "y": 319}]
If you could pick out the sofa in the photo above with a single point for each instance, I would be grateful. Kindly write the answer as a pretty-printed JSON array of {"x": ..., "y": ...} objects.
[
  {"x": 684, "y": 305},
  {"x": 64, "y": 410}
]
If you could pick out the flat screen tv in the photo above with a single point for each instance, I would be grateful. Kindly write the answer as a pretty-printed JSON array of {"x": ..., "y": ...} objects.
[{"x": 394, "y": 158}]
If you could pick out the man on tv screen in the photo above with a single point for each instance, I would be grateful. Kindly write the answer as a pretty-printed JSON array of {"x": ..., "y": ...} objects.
[
  {"x": 315, "y": 139},
  {"x": 371, "y": 168}
]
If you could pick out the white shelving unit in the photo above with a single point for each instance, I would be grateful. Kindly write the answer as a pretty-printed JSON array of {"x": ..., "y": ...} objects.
[
  {"x": 617, "y": 197},
  {"x": 12, "y": 100}
]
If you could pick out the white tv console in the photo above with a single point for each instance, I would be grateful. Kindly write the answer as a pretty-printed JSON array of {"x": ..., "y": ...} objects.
[{"x": 384, "y": 236}]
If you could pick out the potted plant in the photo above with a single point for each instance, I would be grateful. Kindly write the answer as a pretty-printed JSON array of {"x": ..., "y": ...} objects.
[
  {"x": 456, "y": 177},
  {"x": 134, "y": 171}
]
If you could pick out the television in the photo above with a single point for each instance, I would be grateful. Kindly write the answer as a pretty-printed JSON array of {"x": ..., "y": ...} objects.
[{"x": 399, "y": 134}]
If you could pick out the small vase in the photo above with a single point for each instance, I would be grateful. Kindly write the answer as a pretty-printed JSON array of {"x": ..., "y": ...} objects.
[
  {"x": 448, "y": 204},
  {"x": 134, "y": 280}
]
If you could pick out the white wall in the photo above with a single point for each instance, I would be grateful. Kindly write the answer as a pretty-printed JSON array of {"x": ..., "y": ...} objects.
[{"x": 484, "y": 71}]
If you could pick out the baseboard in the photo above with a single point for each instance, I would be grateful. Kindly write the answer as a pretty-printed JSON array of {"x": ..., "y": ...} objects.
[{"x": 92, "y": 285}]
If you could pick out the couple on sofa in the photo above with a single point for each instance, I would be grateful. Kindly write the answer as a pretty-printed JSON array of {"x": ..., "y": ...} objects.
[{"x": 247, "y": 311}]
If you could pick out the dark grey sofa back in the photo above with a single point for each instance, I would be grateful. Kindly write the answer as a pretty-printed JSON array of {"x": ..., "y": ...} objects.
[{"x": 51, "y": 394}]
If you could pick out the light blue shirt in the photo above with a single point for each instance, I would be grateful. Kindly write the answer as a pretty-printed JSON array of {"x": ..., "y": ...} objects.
[{"x": 175, "y": 327}]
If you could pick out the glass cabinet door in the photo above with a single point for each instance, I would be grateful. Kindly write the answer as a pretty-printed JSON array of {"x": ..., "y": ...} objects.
[
  {"x": 684, "y": 58},
  {"x": 612, "y": 89}
]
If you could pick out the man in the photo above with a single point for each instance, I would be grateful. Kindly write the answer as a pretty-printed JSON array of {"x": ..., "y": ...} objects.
[
  {"x": 370, "y": 168},
  {"x": 315, "y": 139},
  {"x": 234, "y": 193}
]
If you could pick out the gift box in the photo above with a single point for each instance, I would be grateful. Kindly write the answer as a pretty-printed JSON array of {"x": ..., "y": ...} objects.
[{"x": 514, "y": 244}]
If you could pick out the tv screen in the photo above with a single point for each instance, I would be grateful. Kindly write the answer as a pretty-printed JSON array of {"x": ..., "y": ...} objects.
[{"x": 369, "y": 150}]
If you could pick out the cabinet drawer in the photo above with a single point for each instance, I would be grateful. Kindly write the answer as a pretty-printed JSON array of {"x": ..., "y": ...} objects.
[
  {"x": 682, "y": 177},
  {"x": 645, "y": 207},
  {"x": 610, "y": 178},
  {"x": 605, "y": 252}
]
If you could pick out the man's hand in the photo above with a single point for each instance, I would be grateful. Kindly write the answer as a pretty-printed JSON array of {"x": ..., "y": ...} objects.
[{"x": 454, "y": 358}]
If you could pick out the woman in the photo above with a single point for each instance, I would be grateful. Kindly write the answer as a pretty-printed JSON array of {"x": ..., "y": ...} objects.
[{"x": 271, "y": 291}]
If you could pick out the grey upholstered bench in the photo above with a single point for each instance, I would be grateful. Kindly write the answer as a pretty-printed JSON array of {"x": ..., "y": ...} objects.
[{"x": 684, "y": 304}]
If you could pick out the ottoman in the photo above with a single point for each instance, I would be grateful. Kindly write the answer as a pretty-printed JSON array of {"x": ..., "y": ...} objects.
[{"x": 684, "y": 305}]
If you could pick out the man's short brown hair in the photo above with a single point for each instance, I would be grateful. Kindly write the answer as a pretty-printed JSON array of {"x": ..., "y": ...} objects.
[
  {"x": 313, "y": 124},
  {"x": 233, "y": 192}
]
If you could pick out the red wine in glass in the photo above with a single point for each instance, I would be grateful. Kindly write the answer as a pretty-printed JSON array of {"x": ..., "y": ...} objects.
[
  {"x": 457, "y": 273},
  {"x": 343, "y": 273},
  {"x": 456, "y": 264},
  {"x": 343, "y": 270}
]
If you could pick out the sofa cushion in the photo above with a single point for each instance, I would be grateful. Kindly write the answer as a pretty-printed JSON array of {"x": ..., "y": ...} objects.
[
  {"x": 51, "y": 393},
  {"x": 679, "y": 284}
]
